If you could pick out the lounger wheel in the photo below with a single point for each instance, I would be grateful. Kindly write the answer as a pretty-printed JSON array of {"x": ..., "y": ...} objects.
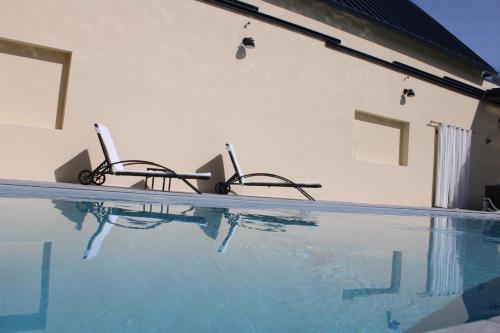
[
  {"x": 98, "y": 178},
  {"x": 85, "y": 177},
  {"x": 222, "y": 188}
]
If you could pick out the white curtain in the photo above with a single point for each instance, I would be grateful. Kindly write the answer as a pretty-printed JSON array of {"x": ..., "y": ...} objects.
[{"x": 452, "y": 168}]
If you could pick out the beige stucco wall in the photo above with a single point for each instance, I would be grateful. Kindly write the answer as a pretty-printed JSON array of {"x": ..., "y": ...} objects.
[{"x": 164, "y": 77}]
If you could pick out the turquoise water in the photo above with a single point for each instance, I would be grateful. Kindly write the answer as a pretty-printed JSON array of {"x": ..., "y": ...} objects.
[{"x": 72, "y": 266}]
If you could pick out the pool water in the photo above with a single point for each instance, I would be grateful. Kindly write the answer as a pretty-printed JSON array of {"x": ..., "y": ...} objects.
[{"x": 86, "y": 266}]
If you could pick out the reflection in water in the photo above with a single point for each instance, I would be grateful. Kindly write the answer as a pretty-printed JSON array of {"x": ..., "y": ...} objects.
[
  {"x": 261, "y": 223},
  {"x": 147, "y": 217},
  {"x": 483, "y": 301},
  {"x": 107, "y": 217},
  {"x": 491, "y": 232},
  {"x": 213, "y": 218},
  {"x": 477, "y": 303},
  {"x": 445, "y": 258},
  {"x": 457, "y": 262},
  {"x": 298, "y": 273},
  {"x": 38, "y": 320},
  {"x": 67, "y": 209},
  {"x": 391, "y": 323},
  {"x": 150, "y": 216},
  {"x": 397, "y": 258}
]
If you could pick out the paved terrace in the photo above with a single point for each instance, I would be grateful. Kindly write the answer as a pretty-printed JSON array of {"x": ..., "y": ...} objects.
[{"x": 39, "y": 189}]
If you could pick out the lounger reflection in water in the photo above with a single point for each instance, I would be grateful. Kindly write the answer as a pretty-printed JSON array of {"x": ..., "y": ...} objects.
[
  {"x": 241, "y": 179},
  {"x": 146, "y": 218},
  {"x": 112, "y": 165},
  {"x": 261, "y": 223}
]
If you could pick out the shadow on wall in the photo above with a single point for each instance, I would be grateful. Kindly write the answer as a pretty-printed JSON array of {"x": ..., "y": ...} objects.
[
  {"x": 68, "y": 172},
  {"x": 333, "y": 17},
  {"x": 241, "y": 53},
  {"x": 216, "y": 167},
  {"x": 485, "y": 157}
]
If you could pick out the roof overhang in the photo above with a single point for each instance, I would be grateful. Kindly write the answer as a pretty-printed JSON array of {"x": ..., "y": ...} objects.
[
  {"x": 492, "y": 95},
  {"x": 433, "y": 34}
]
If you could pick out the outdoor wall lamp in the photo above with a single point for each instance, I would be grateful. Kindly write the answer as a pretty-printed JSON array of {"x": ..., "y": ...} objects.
[
  {"x": 487, "y": 140},
  {"x": 408, "y": 93},
  {"x": 248, "y": 43}
]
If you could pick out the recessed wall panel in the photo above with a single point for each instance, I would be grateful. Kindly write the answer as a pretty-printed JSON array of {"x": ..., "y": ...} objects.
[
  {"x": 380, "y": 139},
  {"x": 33, "y": 84}
]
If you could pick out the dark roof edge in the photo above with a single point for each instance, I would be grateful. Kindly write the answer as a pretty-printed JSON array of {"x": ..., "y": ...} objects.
[
  {"x": 484, "y": 67},
  {"x": 335, "y": 43}
]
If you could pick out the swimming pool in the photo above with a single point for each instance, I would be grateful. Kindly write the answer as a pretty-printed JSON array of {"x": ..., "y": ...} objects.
[{"x": 73, "y": 265}]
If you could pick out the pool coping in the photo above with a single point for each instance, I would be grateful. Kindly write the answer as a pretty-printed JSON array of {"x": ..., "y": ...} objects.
[{"x": 46, "y": 189}]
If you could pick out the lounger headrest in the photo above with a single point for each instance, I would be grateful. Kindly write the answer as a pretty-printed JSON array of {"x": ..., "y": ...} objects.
[
  {"x": 108, "y": 146},
  {"x": 234, "y": 159}
]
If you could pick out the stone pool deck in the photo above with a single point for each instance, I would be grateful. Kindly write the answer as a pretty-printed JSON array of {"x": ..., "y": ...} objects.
[{"x": 41, "y": 189}]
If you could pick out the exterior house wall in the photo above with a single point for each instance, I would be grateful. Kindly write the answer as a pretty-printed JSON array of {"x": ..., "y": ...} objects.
[{"x": 167, "y": 79}]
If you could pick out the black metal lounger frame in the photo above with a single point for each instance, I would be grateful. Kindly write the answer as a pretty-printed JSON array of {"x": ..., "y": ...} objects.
[
  {"x": 236, "y": 179},
  {"x": 98, "y": 175}
]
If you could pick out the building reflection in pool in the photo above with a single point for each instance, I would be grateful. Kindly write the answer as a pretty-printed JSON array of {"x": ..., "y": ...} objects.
[{"x": 38, "y": 320}]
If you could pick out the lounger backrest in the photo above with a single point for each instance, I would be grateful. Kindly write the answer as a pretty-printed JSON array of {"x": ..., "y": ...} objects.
[
  {"x": 108, "y": 147},
  {"x": 234, "y": 160}
]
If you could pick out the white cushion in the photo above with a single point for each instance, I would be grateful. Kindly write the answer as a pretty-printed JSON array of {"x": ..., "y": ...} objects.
[
  {"x": 110, "y": 147},
  {"x": 232, "y": 152}
]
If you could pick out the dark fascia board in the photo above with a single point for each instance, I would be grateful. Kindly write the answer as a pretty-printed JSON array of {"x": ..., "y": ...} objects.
[
  {"x": 406, "y": 69},
  {"x": 492, "y": 95},
  {"x": 483, "y": 67},
  {"x": 236, "y": 3},
  {"x": 335, "y": 43},
  {"x": 251, "y": 10}
]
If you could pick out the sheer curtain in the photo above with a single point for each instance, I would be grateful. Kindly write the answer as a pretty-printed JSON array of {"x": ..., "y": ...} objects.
[{"x": 452, "y": 168}]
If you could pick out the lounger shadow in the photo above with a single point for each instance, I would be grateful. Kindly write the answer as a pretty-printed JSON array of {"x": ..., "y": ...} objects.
[
  {"x": 112, "y": 165},
  {"x": 240, "y": 179}
]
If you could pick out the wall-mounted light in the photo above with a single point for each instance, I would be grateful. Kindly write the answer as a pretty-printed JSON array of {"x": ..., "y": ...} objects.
[
  {"x": 487, "y": 140},
  {"x": 248, "y": 43},
  {"x": 408, "y": 92}
]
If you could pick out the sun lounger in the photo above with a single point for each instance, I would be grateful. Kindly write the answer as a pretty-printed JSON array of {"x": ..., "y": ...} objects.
[
  {"x": 241, "y": 179},
  {"x": 112, "y": 165}
]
